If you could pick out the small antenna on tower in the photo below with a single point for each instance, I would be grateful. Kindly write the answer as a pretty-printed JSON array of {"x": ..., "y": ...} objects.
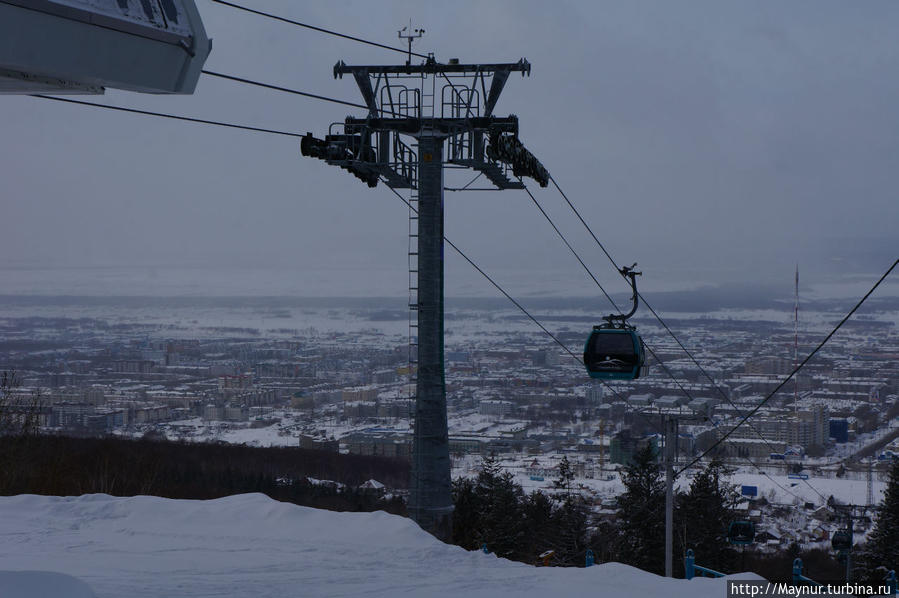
[{"x": 413, "y": 34}]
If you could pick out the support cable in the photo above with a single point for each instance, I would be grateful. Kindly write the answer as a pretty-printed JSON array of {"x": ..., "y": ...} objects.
[
  {"x": 567, "y": 244},
  {"x": 171, "y": 116},
  {"x": 279, "y": 88},
  {"x": 314, "y": 28}
]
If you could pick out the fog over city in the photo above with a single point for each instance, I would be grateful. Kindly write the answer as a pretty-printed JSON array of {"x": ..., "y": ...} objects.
[{"x": 712, "y": 143}]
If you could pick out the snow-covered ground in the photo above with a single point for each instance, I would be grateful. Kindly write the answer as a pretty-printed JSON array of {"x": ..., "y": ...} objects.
[{"x": 250, "y": 545}]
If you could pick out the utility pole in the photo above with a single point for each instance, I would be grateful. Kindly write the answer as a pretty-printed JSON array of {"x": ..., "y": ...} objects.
[
  {"x": 843, "y": 540},
  {"x": 849, "y": 552},
  {"x": 447, "y": 112},
  {"x": 869, "y": 495},
  {"x": 602, "y": 443},
  {"x": 670, "y": 427},
  {"x": 671, "y": 413}
]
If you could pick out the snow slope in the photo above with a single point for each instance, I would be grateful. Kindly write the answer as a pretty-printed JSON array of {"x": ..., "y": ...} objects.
[{"x": 251, "y": 545}]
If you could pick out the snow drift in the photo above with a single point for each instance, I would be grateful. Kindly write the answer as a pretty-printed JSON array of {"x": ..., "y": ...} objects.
[{"x": 252, "y": 545}]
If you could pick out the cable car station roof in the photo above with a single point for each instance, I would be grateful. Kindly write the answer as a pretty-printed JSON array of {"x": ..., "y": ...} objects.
[{"x": 84, "y": 46}]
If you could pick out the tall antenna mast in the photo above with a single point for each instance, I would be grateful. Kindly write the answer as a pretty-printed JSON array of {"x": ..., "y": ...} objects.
[
  {"x": 420, "y": 117},
  {"x": 796, "y": 344}
]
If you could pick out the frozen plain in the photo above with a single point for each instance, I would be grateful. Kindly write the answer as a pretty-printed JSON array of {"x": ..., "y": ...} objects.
[{"x": 250, "y": 545}]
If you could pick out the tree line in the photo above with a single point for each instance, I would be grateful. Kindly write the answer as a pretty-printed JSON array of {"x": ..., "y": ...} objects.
[
  {"x": 494, "y": 513},
  {"x": 65, "y": 466}
]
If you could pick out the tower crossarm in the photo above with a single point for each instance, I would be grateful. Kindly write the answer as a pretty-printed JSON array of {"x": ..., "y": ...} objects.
[
  {"x": 445, "y": 126},
  {"x": 453, "y": 102},
  {"x": 431, "y": 67}
]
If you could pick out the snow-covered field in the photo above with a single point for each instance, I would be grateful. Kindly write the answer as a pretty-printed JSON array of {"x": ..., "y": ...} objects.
[{"x": 250, "y": 545}]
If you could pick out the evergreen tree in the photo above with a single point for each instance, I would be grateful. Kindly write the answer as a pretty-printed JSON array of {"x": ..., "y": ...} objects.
[
  {"x": 467, "y": 514},
  {"x": 641, "y": 514},
  {"x": 882, "y": 547},
  {"x": 570, "y": 526},
  {"x": 489, "y": 510},
  {"x": 501, "y": 501},
  {"x": 704, "y": 514},
  {"x": 569, "y": 519},
  {"x": 566, "y": 475},
  {"x": 540, "y": 525}
]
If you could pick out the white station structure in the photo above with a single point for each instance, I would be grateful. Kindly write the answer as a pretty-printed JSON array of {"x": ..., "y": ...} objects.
[{"x": 85, "y": 46}]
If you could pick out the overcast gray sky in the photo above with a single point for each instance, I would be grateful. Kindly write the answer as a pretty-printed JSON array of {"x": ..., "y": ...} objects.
[{"x": 708, "y": 141}]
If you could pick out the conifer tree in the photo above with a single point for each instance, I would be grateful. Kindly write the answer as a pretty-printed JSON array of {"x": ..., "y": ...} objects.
[
  {"x": 882, "y": 548},
  {"x": 641, "y": 514},
  {"x": 502, "y": 499},
  {"x": 704, "y": 514},
  {"x": 539, "y": 524},
  {"x": 489, "y": 510},
  {"x": 570, "y": 526},
  {"x": 566, "y": 475},
  {"x": 467, "y": 514},
  {"x": 569, "y": 519}
]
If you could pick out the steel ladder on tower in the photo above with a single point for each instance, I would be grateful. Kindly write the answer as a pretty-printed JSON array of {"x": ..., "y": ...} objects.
[{"x": 413, "y": 294}]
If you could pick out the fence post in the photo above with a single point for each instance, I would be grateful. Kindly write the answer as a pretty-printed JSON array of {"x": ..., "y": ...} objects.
[
  {"x": 689, "y": 572},
  {"x": 797, "y": 570}
]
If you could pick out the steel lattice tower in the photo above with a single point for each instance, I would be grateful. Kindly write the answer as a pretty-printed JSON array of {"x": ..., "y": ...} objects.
[{"x": 447, "y": 111}]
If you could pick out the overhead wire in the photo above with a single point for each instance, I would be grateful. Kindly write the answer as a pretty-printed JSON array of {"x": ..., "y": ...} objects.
[
  {"x": 488, "y": 277},
  {"x": 291, "y": 91},
  {"x": 280, "y": 88},
  {"x": 315, "y": 28},
  {"x": 567, "y": 244},
  {"x": 169, "y": 116}
]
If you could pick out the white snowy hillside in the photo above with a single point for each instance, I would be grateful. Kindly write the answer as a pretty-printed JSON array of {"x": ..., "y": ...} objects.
[{"x": 250, "y": 545}]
